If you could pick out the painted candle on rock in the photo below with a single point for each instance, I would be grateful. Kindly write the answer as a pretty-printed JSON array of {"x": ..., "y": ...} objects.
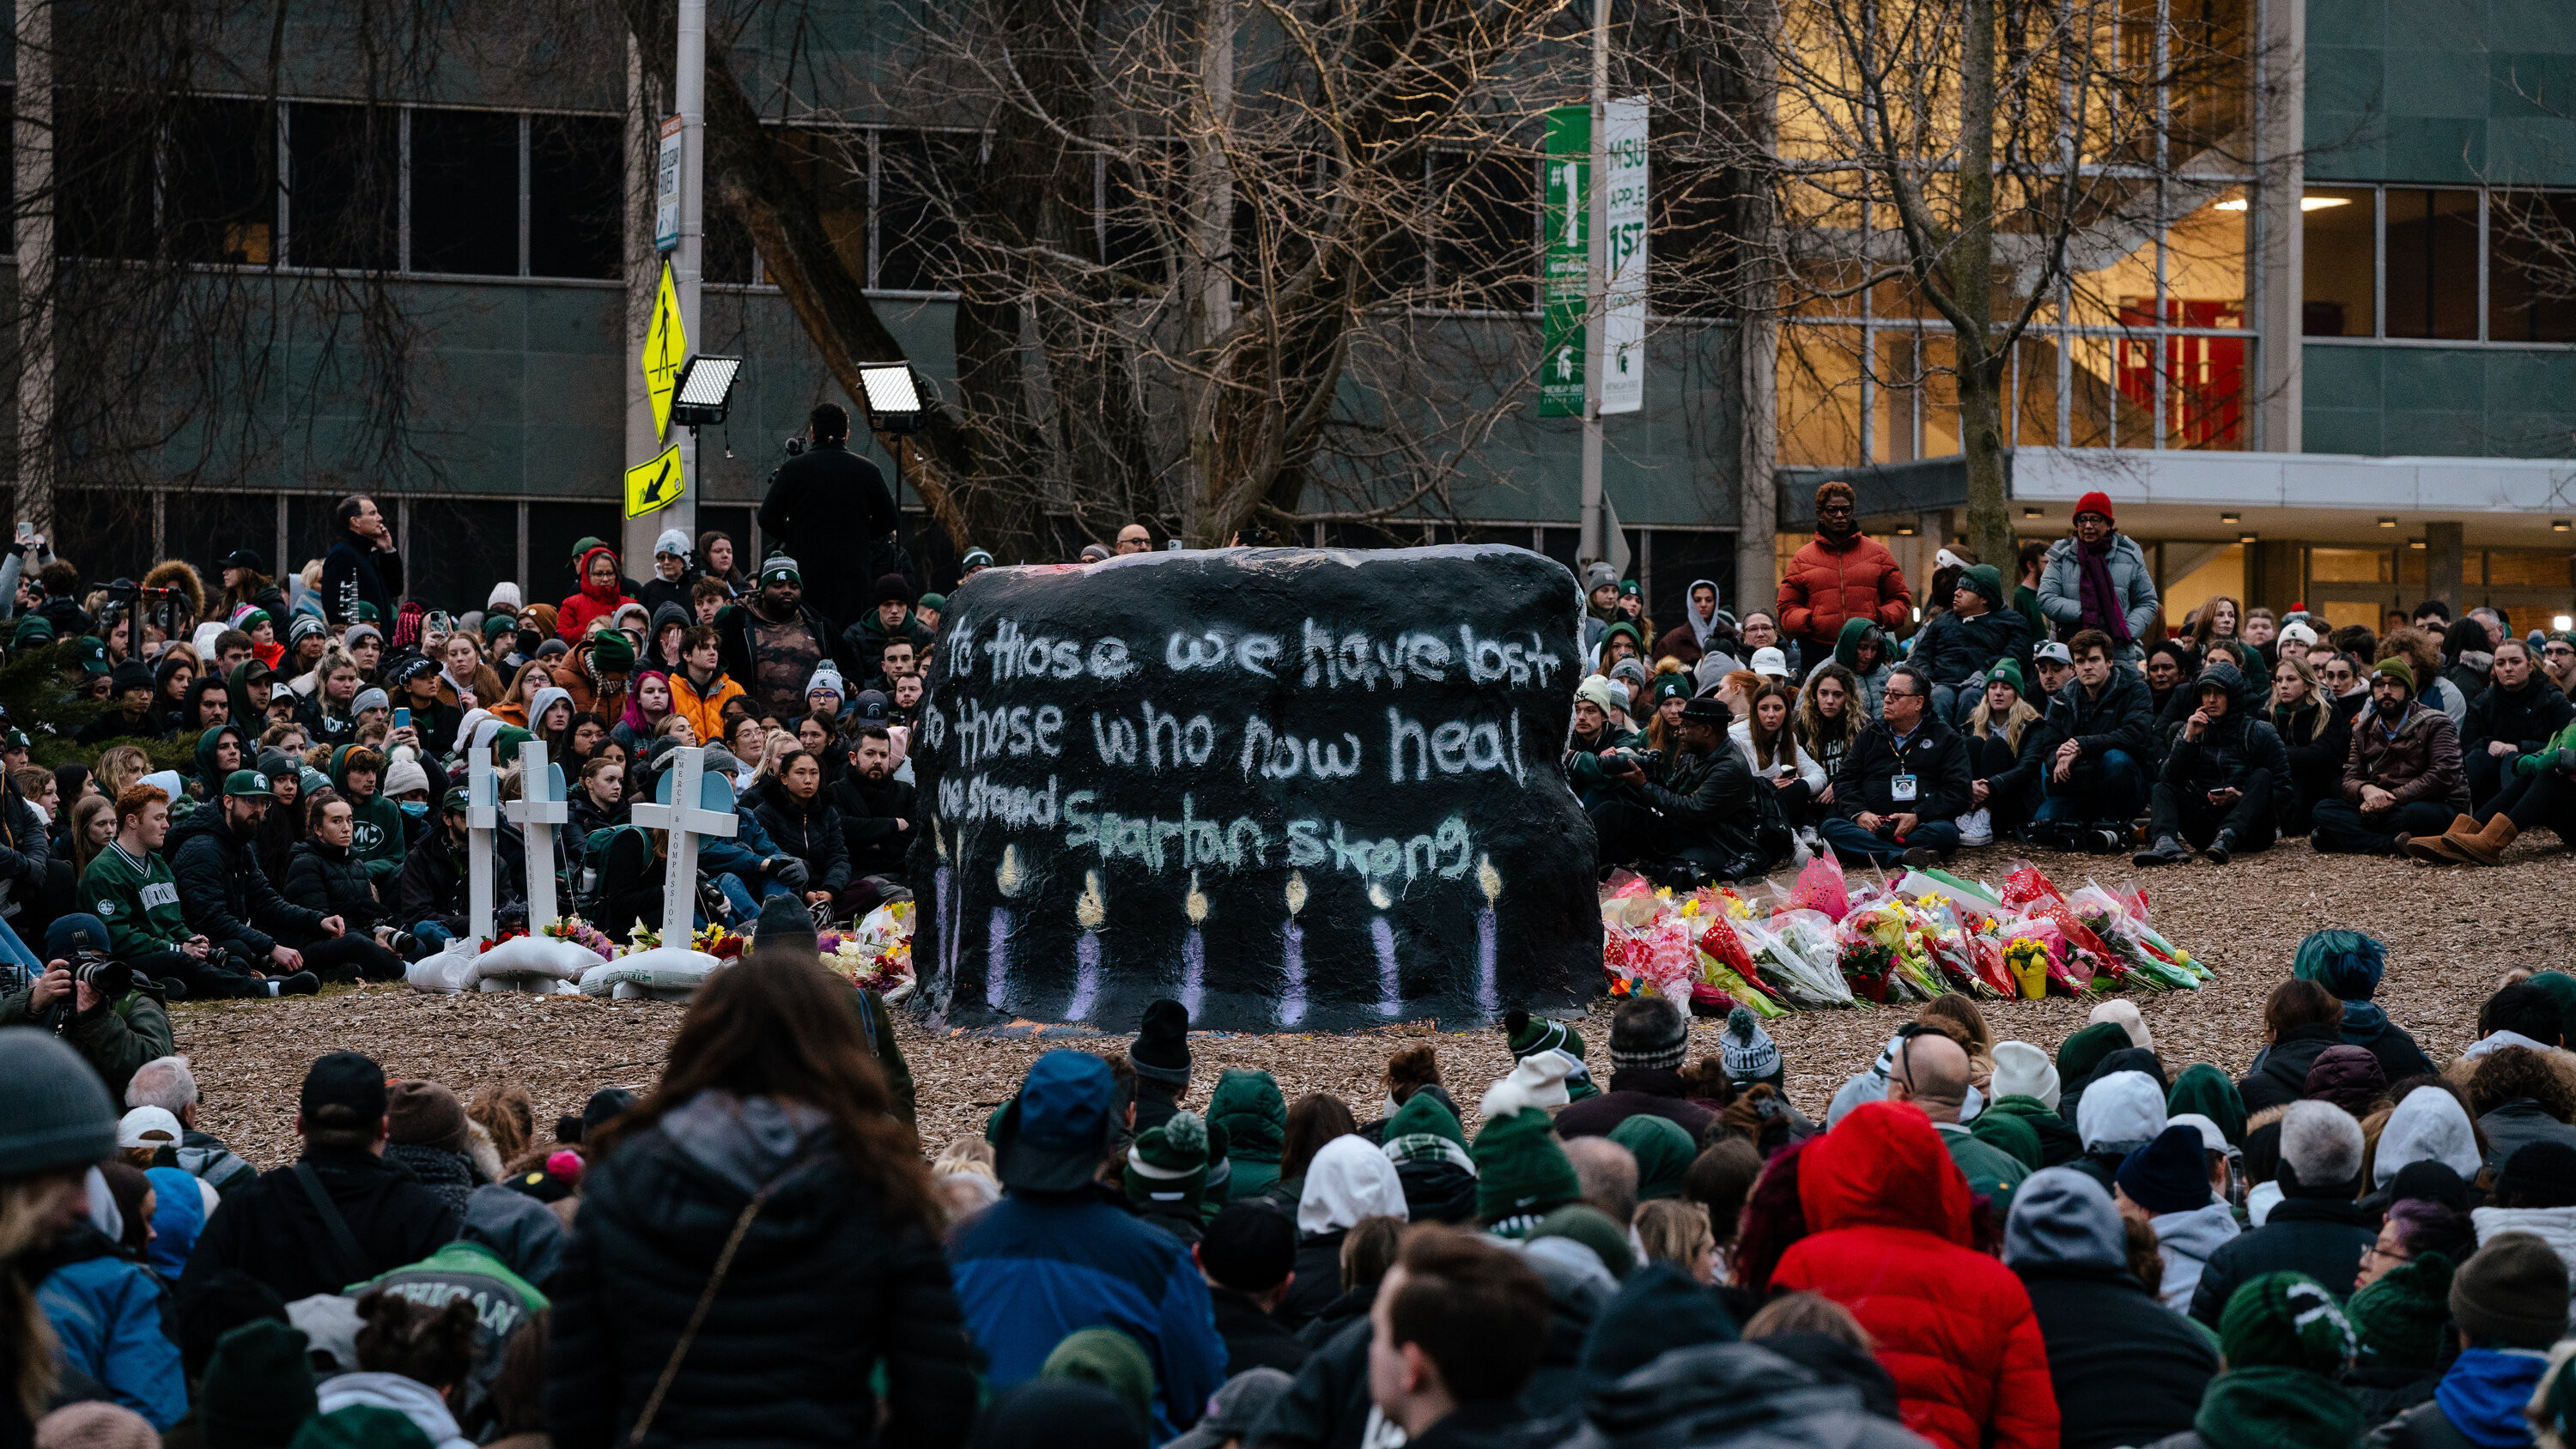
[
  {"x": 1292, "y": 956},
  {"x": 1091, "y": 912},
  {"x": 1390, "y": 980},
  {"x": 997, "y": 960},
  {"x": 1194, "y": 950},
  {"x": 1490, "y": 881}
]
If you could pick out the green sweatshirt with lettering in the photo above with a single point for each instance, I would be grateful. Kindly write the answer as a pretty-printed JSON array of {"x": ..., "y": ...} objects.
[{"x": 138, "y": 898}]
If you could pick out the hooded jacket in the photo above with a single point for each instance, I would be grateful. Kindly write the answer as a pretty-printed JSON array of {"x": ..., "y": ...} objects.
[
  {"x": 2061, "y": 590},
  {"x": 1731, "y": 1396},
  {"x": 2366, "y": 1025},
  {"x": 2280, "y": 1076},
  {"x": 824, "y": 1288},
  {"x": 1957, "y": 648},
  {"x": 209, "y": 784},
  {"x": 2125, "y": 1369},
  {"x": 1250, "y": 1110},
  {"x": 410, "y": 1398},
  {"x": 2429, "y": 1126},
  {"x": 331, "y": 879},
  {"x": 2230, "y": 748},
  {"x": 1350, "y": 1179},
  {"x": 2418, "y": 760},
  {"x": 1889, "y": 1238},
  {"x": 1831, "y": 580},
  {"x": 2554, "y": 1226},
  {"x": 227, "y": 897},
  {"x": 378, "y": 837},
  {"x": 812, "y": 832},
  {"x": 2478, "y": 1405},
  {"x": 590, "y": 602},
  {"x": 2186, "y": 1240},
  {"x": 107, "y": 1310},
  {"x": 1873, "y": 680}
]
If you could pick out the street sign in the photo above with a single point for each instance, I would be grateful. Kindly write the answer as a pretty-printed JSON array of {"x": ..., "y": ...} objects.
[
  {"x": 655, "y": 483},
  {"x": 666, "y": 346},
  {"x": 1623, "y": 322},
  {"x": 1566, "y": 207},
  {"x": 666, "y": 188}
]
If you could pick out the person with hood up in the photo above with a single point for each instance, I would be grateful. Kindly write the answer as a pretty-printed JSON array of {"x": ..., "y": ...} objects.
[
  {"x": 1840, "y": 574},
  {"x": 105, "y": 1307},
  {"x": 1961, "y": 645},
  {"x": 2349, "y": 1077},
  {"x": 2097, "y": 745},
  {"x": 598, "y": 598},
  {"x": 2125, "y": 1369},
  {"x": 2121, "y": 1111},
  {"x": 1890, "y": 1238},
  {"x": 1056, "y": 1256},
  {"x": 2166, "y": 1185},
  {"x": 2203, "y": 1090},
  {"x": 2300, "y": 1020},
  {"x": 220, "y": 751},
  {"x": 2403, "y": 779},
  {"x": 2285, "y": 1342},
  {"x": 2099, "y": 579},
  {"x": 2226, "y": 779},
  {"x": 1248, "y": 1109},
  {"x": 2315, "y": 1231},
  {"x": 2508, "y": 1306},
  {"x": 1350, "y": 1179},
  {"x": 674, "y": 575},
  {"x": 1432, "y": 1164},
  {"x": 2349, "y": 965},
  {"x": 1861, "y": 648},
  {"x": 1688, "y": 641},
  {"x": 2428, "y": 1125}
]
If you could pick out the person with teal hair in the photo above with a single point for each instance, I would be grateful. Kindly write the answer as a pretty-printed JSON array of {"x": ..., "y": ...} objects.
[{"x": 2349, "y": 964}]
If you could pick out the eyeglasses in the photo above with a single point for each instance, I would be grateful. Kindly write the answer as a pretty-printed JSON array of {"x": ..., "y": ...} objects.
[
  {"x": 1888, "y": 694},
  {"x": 2376, "y": 1251}
]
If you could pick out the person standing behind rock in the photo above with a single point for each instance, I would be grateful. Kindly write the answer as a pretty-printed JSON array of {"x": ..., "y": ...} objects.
[{"x": 1840, "y": 574}]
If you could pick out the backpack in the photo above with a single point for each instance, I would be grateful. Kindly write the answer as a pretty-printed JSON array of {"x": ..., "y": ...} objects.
[{"x": 590, "y": 883}]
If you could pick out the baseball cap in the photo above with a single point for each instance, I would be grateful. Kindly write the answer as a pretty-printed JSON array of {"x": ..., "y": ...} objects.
[
  {"x": 74, "y": 933},
  {"x": 346, "y": 1085},
  {"x": 92, "y": 653},
  {"x": 242, "y": 558},
  {"x": 1770, "y": 661},
  {"x": 456, "y": 801},
  {"x": 138, "y": 1128},
  {"x": 247, "y": 785},
  {"x": 869, "y": 707},
  {"x": 2053, "y": 652}
]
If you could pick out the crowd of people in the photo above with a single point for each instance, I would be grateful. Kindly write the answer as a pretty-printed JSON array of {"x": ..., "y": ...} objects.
[
  {"x": 2055, "y": 709},
  {"x": 1974, "y": 1244}
]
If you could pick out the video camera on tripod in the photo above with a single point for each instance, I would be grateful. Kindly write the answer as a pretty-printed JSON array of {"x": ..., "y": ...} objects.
[{"x": 164, "y": 608}]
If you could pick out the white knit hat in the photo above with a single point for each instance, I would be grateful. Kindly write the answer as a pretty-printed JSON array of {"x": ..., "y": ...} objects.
[
  {"x": 2125, "y": 1012},
  {"x": 2023, "y": 1070},
  {"x": 1536, "y": 1080}
]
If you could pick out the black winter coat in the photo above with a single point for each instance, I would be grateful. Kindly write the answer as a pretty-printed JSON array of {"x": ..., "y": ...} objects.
[
  {"x": 812, "y": 833},
  {"x": 331, "y": 879},
  {"x": 584, "y": 815},
  {"x": 2280, "y": 1075},
  {"x": 822, "y": 1289},
  {"x": 1253, "y": 1339},
  {"x": 1956, "y": 650},
  {"x": 226, "y": 896},
  {"x": 1934, "y": 755},
  {"x": 435, "y": 886},
  {"x": 869, "y": 815},
  {"x": 2127, "y": 1369},
  {"x": 1318, "y": 1267},
  {"x": 2319, "y": 1236},
  {"x": 2526, "y": 718},
  {"x": 2121, "y": 717},
  {"x": 2230, "y": 749},
  {"x": 269, "y": 1229},
  {"x": 2316, "y": 758}
]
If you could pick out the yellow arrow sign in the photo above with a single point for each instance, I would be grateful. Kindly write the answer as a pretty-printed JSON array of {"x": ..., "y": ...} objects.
[
  {"x": 655, "y": 484},
  {"x": 666, "y": 346}
]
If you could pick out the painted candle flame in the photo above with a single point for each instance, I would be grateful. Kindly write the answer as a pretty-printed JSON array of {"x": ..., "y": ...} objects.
[
  {"x": 1008, "y": 878},
  {"x": 1296, "y": 892},
  {"x": 1488, "y": 879},
  {"x": 938, "y": 840},
  {"x": 1197, "y": 903},
  {"x": 1378, "y": 896},
  {"x": 1091, "y": 909}
]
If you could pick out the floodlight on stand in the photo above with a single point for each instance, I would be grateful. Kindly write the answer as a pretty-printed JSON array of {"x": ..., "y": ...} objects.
[
  {"x": 704, "y": 392},
  {"x": 892, "y": 395}
]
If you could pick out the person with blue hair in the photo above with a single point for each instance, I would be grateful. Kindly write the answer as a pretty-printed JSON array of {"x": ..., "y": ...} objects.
[{"x": 2349, "y": 964}]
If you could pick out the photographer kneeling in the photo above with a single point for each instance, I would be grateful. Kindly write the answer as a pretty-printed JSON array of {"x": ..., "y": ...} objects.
[
  {"x": 109, "y": 1012},
  {"x": 1903, "y": 783},
  {"x": 1698, "y": 818}
]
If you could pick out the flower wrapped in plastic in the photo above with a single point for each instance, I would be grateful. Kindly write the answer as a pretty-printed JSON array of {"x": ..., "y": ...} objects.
[
  {"x": 1871, "y": 943},
  {"x": 1946, "y": 947},
  {"x": 2132, "y": 963},
  {"x": 1668, "y": 961},
  {"x": 2069, "y": 969},
  {"x": 1723, "y": 944},
  {"x": 2025, "y": 885},
  {"x": 1795, "y": 951},
  {"x": 1821, "y": 887}
]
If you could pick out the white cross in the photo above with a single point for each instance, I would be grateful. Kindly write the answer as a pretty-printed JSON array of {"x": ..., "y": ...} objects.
[
  {"x": 538, "y": 810},
  {"x": 482, "y": 793},
  {"x": 704, "y": 806}
]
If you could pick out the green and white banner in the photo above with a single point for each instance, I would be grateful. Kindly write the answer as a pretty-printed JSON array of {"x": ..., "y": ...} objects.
[{"x": 1565, "y": 201}]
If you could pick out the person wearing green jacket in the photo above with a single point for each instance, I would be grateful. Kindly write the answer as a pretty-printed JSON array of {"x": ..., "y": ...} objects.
[
  {"x": 511, "y": 1243},
  {"x": 377, "y": 835},
  {"x": 1594, "y": 733},
  {"x": 132, "y": 890},
  {"x": 2540, "y": 791},
  {"x": 1249, "y": 1111},
  {"x": 220, "y": 751},
  {"x": 115, "y": 1036}
]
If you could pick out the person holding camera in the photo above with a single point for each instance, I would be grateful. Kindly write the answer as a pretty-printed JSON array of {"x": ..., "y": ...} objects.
[
  {"x": 829, "y": 492},
  {"x": 1903, "y": 783},
  {"x": 106, "y": 1010},
  {"x": 227, "y": 898},
  {"x": 1699, "y": 816},
  {"x": 131, "y": 887}
]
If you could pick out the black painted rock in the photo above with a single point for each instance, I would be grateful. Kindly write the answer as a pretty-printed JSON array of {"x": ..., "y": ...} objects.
[{"x": 1297, "y": 789}]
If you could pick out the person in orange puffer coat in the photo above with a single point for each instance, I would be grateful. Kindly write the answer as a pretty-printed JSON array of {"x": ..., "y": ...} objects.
[
  {"x": 1840, "y": 574},
  {"x": 1889, "y": 1237},
  {"x": 599, "y": 597}
]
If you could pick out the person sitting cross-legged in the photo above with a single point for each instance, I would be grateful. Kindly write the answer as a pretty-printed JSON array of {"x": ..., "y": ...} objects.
[
  {"x": 1904, "y": 782},
  {"x": 1700, "y": 820},
  {"x": 2226, "y": 781},
  {"x": 2403, "y": 777}
]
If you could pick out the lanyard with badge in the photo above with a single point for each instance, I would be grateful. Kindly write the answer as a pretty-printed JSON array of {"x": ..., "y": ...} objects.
[{"x": 1903, "y": 788}]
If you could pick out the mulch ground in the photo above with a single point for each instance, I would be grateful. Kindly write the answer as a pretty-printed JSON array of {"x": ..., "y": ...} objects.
[{"x": 2450, "y": 933}]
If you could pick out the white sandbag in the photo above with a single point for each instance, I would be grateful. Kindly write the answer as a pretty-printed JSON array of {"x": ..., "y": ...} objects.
[
  {"x": 449, "y": 969},
  {"x": 536, "y": 956},
  {"x": 665, "y": 973}
]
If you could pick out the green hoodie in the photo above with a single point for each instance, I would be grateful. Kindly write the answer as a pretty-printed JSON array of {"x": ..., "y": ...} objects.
[
  {"x": 2547, "y": 756},
  {"x": 1248, "y": 1108},
  {"x": 210, "y": 779},
  {"x": 2054, "y": 1138},
  {"x": 379, "y": 841},
  {"x": 2205, "y": 1089},
  {"x": 2276, "y": 1408},
  {"x": 1847, "y": 654}
]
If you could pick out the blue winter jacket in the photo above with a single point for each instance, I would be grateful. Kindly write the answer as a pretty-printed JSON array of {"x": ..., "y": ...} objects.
[
  {"x": 1031, "y": 1270},
  {"x": 106, "y": 1310}
]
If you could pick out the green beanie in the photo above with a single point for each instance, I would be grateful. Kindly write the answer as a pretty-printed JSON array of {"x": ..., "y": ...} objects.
[
  {"x": 610, "y": 653},
  {"x": 1168, "y": 1165},
  {"x": 1521, "y": 1173},
  {"x": 2009, "y": 673},
  {"x": 2210, "y": 1092},
  {"x": 2400, "y": 1319},
  {"x": 1988, "y": 581},
  {"x": 2009, "y": 1132},
  {"x": 360, "y": 1426},
  {"x": 505, "y": 746},
  {"x": 2397, "y": 669},
  {"x": 1111, "y": 1359},
  {"x": 1423, "y": 1116},
  {"x": 2085, "y": 1050},
  {"x": 1248, "y": 1105},
  {"x": 1590, "y": 1226},
  {"x": 1663, "y": 1149},
  {"x": 1528, "y": 1035},
  {"x": 258, "y": 1388},
  {"x": 2285, "y": 1320}
]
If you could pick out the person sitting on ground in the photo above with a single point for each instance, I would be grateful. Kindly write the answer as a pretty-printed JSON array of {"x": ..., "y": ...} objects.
[
  {"x": 1649, "y": 1040},
  {"x": 1931, "y": 1072},
  {"x": 2538, "y": 791},
  {"x": 2516, "y": 715},
  {"x": 1247, "y": 1254},
  {"x": 1694, "y": 819},
  {"x": 2167, "y": 1185},
  {"x": 1348, "y": 1182},
  {"x": 1903, "y": 785},
  {"x": 875, "y": 810},
  {"x": 119, "y": 1034},
  {"x": 2301, "y": 1018},
  {"x": 130, "y": 884},
  {"x": 2003, "y": 771},
  {"x": 2403, "y": 778},
  {"x": 228, "y": 899},
  {"x": 2348, "y": 965},
  {"x": 2508, "y": 1307},
  {"x": 2314, "y": 734},
  {"x": 1962, "y": 646},
  {"x": 2096, "y": 743},
  {"x": 2520, "y": 1098},
  {"x": 2125, "y": 1369},
  {"x": 435, "y": 889},
  {"x": 2316, "y": 1229},
  {"x": 2226, "y": 780},
  {"x": 1768, "y": 741}
]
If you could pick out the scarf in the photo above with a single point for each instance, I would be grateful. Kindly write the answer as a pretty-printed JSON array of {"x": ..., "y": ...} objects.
[
  {"x": 2484, "y": 1392},
  {"x": 2100, "y": 596},
  {"x": 1700, "y": 628}
]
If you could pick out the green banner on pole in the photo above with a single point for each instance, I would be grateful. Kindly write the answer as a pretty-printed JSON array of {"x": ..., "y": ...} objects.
[{"x": 1564, "y": 269}]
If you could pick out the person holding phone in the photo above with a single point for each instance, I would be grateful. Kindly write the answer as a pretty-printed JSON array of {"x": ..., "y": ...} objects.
[{"x": 2226, "y": 783}]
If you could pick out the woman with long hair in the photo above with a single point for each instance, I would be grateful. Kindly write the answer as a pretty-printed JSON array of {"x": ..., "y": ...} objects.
[
  {"x": 648, "y": 703},
  {"x": 2316, "y": 734},
  {"x": 170, "y": 680},
  {"x": 761, "y": 1212},
  {"x": 716, "y": 561},
  {"x": 2219, "y": 618},
  {"x": 2004, "y": 783},
  {"x": 63, "y": 1123},
  {"x": 93, "y": 825},
  {"x": 121, "y": 766},
  {"x": 1768, "y": 740},
  {"x": 1829, "y": 720}
]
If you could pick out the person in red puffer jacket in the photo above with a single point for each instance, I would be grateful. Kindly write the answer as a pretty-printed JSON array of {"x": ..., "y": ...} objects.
[
  {"x": 1840, "y": 574},
  {"x": 600, "y": 597},
  {"x": 1889, "y": 1235}
]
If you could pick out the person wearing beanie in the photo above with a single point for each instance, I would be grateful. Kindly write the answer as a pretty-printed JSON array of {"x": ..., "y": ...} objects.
[
  {"x": 1840, "y": 574},
  {"x": 2285, "y": 1343},
  {"x": 1166, "y": 1176},
  {"x": 775, "y": 639},
  {"x": 2165, "y": 1185},
  {"x": 2025, "y": 1086},
  {"x": 2508, "y": 1305},
  {"x": 56, "y": 1119},
  {"x": 1931, "y": 1072},
  {"x": 1249, "y": 1109},
  {"x": 271, "y": 1229},
  {"x": 2404, "y": 782},
  {"x": 258, "y": 1388},
  {"x": 426, "y": 1136},
  {"x": 1589, "y": 1226},
  {"x": 1664, "y": 1154},
  {"x": 2079, "y": 1061},
  {"x": 1963, "y": 642},
  {"x": 2316, "y": 1231},
  {"x": 1891, "y": 1237},
  {"x": 1525, "y": 1036},
  {"x": 887, "y": 618},
  {"x": 1522, "y": 1173},
  {"x": 1429, "y": 1150},
  {"x": 1248, "y": 1254},
  {"x": 95, "y": 1425},
  {"x": 1748, "y": 1053},
  {"x": 2211, "y": 1093},
  {"x": 2125, "y": 1370},
  {"x": 1160, "y": 1055},
  {"x": 2099, "y": 579},
  {"x": 2348, "y": 965},
  {"x": 1649, "y": 1041},
  {"x": 2402, "y": 1323}
]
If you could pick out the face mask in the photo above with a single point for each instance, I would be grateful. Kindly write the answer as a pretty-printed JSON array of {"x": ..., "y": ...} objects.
[
  {"x": 527, "y": 642},
  {"x": 416, "y": 809}
]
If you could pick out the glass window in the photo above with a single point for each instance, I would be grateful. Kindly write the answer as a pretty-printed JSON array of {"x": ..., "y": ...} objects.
[
  {"x": 2526, "y": 569},
  {"x": 2432, "y": 263},
  {"x": 832, "y": 166},
  {"x": 917, "y": 174},
  {"x": 219, "y": 188},
  {"x": 553, "y": 528},
  {"x": 114, "y": 527},
  {"x": 576, "y": 196},
  {"x": 1896, "y": 366},
  {"x": 458, "y": 547},
  {"x": 1819, "y": 395},
  {"x": 2348, "y": 566},
  {"x": 2531, "y": 240},
  {"x": 1688, "y": 256},
  {"x": 202, "y": 527},
  {"x": 341, "y": 184},
  {"x": 465, "y": 192},
  {"x": 103, "y": 173},
  {"x": 2338, "y": 245}
]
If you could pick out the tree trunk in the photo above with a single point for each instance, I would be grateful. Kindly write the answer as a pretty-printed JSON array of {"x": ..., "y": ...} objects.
[{"x": 1971, "y": 274}]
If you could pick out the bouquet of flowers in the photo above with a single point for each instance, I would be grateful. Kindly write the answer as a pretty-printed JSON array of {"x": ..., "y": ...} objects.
[
  {"x": 583, "y": 934},
  {"x": 2131, "y": 962},
  {"x": 716, "y": 941},
  {"x": 1722, "y": 947},
  {"x": 1946, "y": 946},
  {"x": 2026, "y": 958},
  {"x": 1870, "y": 942},
  {"x": 1796, "y": 949},
  {"x": 1821, "y": 887}
]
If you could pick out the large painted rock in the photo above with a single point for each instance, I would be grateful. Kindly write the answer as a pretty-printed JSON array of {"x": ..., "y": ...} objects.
[{"x": 1297, "y": 789}]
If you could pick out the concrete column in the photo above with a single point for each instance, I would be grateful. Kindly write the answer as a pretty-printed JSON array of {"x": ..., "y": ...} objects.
[
  {"x": 2442, "y": 561},
  {"x": 32, "y": 160},
  {"x": 2272, "y": 575},
  {"x": 2280, "y": 109}
]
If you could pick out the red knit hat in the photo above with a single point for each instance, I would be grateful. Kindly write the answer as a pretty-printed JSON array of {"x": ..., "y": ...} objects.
[{"x": 2095, "y": 502}]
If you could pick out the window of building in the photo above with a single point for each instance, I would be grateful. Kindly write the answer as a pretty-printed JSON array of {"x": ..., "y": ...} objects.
[
  {"x": 2339, "y": 229},
  {"x": 103, "y": 175},
  {"x": 343, "y": 185},
  {"x": 219, "y": 182},
  {"x": 2531, "y": 267},
  {"x": 831, "y": 167},
  {"x": 1486, "y": 252},
  {"x": 459, "y": 546},
  {"x": 576, "y": 196},
  {"x": 2432, "y": 262},
  {"x": 203, "y": 526},
  {"x": 920, "y": 177},
  {"x": 465, "y": 192}
]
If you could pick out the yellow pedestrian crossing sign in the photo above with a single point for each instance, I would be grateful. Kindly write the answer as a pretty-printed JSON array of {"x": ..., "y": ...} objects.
[
  {"x": 655, "y": 483},
  {"x": 666, "y": 346}
]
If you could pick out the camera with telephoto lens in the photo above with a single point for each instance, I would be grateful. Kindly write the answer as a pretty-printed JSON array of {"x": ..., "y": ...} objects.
[
  {"x": 1647, "y": 760},
  {"x": 109, "y": 978}
]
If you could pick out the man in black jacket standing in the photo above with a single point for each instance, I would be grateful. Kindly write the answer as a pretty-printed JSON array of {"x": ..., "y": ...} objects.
[
  {"x": 2097, "y": 744},
  {"x": 1699, "y": 824},
  {"x": 340, "y": 1214},
  {"x": 2517, "y": 714},
  {"x": 2226, "y": 782},
  {"x": 835, "y": 498},
  {"x": 1903, "y": 783},
  {"x": 362, "y": 568}
]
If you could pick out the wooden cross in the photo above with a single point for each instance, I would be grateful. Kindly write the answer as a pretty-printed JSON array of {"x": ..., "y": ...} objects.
[
  {"x": 688, "y": 803},
  {"x": 482, "y": 793},
  {"x": 541, "y": 807}
]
